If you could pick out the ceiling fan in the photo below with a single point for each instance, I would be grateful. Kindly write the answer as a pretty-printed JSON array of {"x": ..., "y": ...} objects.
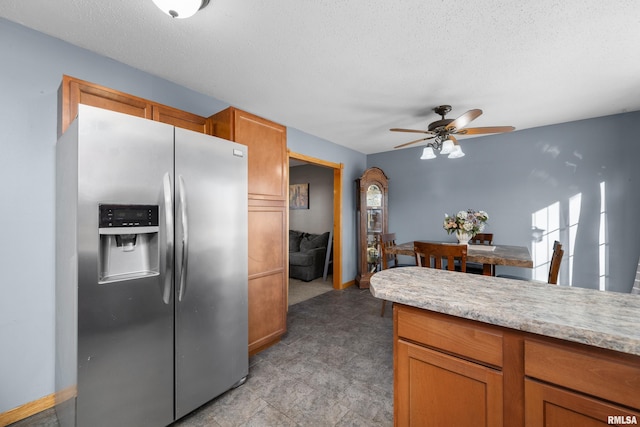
[{"x": 442, "y": 131}]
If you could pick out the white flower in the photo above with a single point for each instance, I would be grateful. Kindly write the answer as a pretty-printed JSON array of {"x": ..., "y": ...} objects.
[{"x": 469, "y": 221}]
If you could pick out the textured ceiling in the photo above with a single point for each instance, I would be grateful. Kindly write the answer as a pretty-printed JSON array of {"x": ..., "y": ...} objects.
[{"x": 347, "y": 71}]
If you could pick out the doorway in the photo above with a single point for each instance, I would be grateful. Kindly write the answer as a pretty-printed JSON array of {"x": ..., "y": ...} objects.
[{"x": 337, "y": 169}]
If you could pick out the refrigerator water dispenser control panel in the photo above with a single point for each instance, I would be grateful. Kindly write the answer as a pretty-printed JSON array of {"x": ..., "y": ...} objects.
[
  {"x": 128, "y": 216},
  {"x": 128, "y": 247}
]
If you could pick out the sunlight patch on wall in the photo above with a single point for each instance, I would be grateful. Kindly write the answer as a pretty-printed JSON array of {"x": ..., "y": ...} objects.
[
  {"x": 575, "y": 202},
  {"x": 551, "y": 227},
  {"x": 548, "y": 220},
  {"x": 603, "y": 246}
]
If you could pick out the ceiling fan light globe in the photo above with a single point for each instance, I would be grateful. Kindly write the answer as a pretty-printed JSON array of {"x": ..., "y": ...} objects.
[
  {"x": 447, "y": 147},
  {"x": 456, "y": 153},
  {"x": 427, "y": 154},
  {"x": 180, "y": 8}
]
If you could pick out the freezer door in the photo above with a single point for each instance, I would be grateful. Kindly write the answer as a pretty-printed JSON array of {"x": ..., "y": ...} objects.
[
  {"x": 211, "y": 268},
  {"x": 125, "y": 328}
]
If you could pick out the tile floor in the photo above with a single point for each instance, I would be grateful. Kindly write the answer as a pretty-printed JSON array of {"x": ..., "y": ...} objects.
[{"x": 334, "y": 367}]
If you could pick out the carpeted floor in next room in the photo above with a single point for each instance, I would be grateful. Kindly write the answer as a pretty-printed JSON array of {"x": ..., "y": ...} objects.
[
  {"x": 301, "y": 291},
  {"x": 333, "y": 367}
]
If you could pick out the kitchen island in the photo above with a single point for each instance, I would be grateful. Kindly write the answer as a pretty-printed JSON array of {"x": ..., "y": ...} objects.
[{"x": 478, "y": 350}]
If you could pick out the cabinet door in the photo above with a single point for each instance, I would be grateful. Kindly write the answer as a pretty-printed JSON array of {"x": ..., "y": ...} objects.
[
  {"x": 267, "y": 276},
  {"x": 267, "y": 144},
  {"x": 179, "y": 118},
  {"x": 436, "y": 389},
  {"x": 550, "y": 406},
  {"x": 74, "y": 91}
]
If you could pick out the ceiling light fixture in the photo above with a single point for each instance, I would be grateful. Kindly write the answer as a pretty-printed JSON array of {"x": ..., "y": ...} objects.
[
  {"x": 181, "y": 8},
  {"x": 441, "y": 132},
  {"x": 446, "y": 144},
  {"x": 427, "y": 153},
  {"x": 456, "y": 153}
]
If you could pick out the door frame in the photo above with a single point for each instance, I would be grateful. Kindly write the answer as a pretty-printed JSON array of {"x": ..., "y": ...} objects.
[{"x": 337, "y": 211}]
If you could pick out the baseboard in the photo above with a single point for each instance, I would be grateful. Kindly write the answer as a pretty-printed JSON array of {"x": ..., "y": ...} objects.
[
  {"x": 28, "y": 409},
  {"x": 347, "y": 284}
]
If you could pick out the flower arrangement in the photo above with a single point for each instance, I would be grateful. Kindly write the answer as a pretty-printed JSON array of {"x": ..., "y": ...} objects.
[{"x": 469, "y": 221}]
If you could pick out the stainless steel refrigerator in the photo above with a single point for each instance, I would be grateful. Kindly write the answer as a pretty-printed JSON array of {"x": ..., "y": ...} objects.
[{"x": 151, "y": 270}]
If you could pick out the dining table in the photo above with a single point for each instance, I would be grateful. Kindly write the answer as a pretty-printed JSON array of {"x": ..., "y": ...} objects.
[{"x": 487, "y": 255}]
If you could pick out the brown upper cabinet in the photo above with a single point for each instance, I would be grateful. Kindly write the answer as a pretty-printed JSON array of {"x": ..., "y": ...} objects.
[
  {"x": 74, "y": 91},
  {"x": 267, "y": 142},
  {"x": 179, "y": 118}
]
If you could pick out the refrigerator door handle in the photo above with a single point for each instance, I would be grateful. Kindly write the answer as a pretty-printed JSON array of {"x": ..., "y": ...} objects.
[
  {"x": 168, "y": 215},
  {"x": 185, "y": 239}
]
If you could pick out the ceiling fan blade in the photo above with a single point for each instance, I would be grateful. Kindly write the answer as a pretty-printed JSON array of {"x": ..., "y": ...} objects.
[
  {"x": 480, "y": 131},
  {"x": 410, "y": 130},
  {"x": 413, "y": 142},
  {"x": 464, "y": 119}
]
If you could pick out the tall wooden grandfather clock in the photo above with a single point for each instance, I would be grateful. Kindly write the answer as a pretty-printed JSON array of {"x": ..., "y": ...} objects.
[{"x": 372, "y": 221}]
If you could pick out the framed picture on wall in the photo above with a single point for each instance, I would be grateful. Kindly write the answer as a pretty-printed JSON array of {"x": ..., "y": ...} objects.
[{"x": 299, "y": 196}]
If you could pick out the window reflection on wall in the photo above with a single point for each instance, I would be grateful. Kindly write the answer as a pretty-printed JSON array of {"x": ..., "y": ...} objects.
[
  {"x": 574, "y": 217},
  {"x": 548, "y": 220},
  {"x": 549, "y": 225},
  {"x": 603, "y": 241}
]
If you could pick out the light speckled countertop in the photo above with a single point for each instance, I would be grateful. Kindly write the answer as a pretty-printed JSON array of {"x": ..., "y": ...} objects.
[{"x": 602, "y": 319}]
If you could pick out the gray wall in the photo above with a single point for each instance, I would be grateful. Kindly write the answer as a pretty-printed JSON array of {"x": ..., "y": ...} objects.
[
  {"x": 319, "y": 217},
  {"x": 32, "y": 69},
  {"x": 513, "y": 175}
]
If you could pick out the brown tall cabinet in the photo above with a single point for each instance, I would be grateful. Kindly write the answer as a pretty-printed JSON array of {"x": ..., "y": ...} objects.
[{"x": 268, "y": 177}]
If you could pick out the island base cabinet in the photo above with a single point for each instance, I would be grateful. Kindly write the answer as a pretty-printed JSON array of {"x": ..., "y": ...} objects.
[
  {"x": 450, "y": 371},
  {"x": 549, "y": 406},
  {"x": 436, "y": 389}
]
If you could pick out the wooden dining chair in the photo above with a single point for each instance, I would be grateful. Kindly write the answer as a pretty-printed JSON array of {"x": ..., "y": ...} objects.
[
  {"x": 432, "y": 255},
  {"x": 480, "y": 239},
  {"x": 389, "y": 258},
  {"x": 554, "y": 266}
]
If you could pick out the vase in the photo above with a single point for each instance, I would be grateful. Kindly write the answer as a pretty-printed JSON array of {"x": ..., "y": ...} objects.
[{"x": 463, "y": 237}]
